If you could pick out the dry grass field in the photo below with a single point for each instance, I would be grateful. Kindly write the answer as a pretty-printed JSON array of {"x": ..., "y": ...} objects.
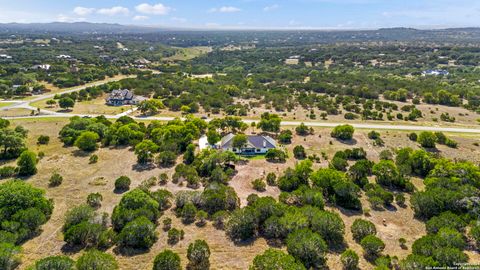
[
  {"x": 93, "y": 106},
  {"x": 82, "y": 178}
]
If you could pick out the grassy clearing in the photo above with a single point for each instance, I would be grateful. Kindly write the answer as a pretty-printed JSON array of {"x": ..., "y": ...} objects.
[
  {"x": 184, "y": 54},
  {"x": 5, "y": 104},
  {"x": 15, "y": 112},
  {"x": 94, "y": 106}
]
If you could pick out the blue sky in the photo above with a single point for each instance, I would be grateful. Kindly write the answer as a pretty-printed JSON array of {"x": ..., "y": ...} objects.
[{"x": 251, "y": 14}]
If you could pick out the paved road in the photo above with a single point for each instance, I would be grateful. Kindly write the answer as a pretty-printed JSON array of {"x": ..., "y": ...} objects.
[
  {"x": 51, "y": 114},
  {"x": 283, "y": 123}
]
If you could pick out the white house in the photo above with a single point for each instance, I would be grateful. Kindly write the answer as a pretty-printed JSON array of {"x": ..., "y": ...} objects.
[{"x": 256, "y": 144}]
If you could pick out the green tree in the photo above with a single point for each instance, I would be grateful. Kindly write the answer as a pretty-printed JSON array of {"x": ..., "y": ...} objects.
[
  {"x": 145, "y": 151},
  {"x": 239, "y": 141},
  {"x": 427, "y": 139},
  {"x": 94, "y": 259},
  {"x": 139, "y": 233},
  {"x": 122, "y": 183},
  {"x": 27, "y": 163},
  {"x": 361, "y": 228},
  {"x": 307, "y": 247},
  {"x": 372, "y": 245},
  {"x": 55, "y": 263},
  {"x": 167, "y": 260},
  {"x": 9, "y": 256},
  {"x": 189, "y": 155},
  {"x": 66, "y": 103},
  {"x": 299, "y": 152},
  {"x": 343, "y": 132},
  {"x": 349, "y": 260},
  {"x": 274, "y": 259},
  {"x": 198, "y": 254},
  {"x": 87, "y": 141},
  {"x": 302, "y": 130},
  {"x": 270, "y": 122}
]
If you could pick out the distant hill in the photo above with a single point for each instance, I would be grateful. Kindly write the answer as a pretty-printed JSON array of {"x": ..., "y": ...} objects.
[
  {"x": 76, "y": 27},
  {"x": 209, "y": 37}
]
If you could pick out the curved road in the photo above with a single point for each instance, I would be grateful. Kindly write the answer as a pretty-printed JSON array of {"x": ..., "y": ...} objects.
[{"x": 51, "y": 114}]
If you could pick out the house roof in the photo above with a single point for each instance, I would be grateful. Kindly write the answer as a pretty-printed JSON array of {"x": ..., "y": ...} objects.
[
  {"x": 253, "y": 141},
  {"x": 123, "y": 94}
]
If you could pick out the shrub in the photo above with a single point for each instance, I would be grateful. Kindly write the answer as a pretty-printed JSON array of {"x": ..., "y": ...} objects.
[
  {"x": 241, "y": 225},
  {"x": 139, "y": 233},
  {"x": 445, "y": 220},
  {"x": 276, "y": 155},
  {"x": 163, "y": 179},
  {"x": 400, "y": 199},
  {"x": 259, "y": 185},
  {"x": 9, "y": 256},
  {"x": 27, "y": 163},
  {"x": 451, "y": 143},
  {"x": 174, "y": 236},
  {"x": 201, "y": 218},
  {"x": 24, "y": 209},
  {"x": 299, "y": 152},
  {"x": 167, "y": 260},
  {"x": 198, "y": 254},
  {"x": 87, "y": 141},
  {"x": 55, "y": 180},
  {"x": 7, "y": 171},
  {"x": 372, "y": 245},
  {"x": 219, "y": 219},
  {"x": 271, "y": 179},
  {"x": 307, "y": 247},
  {"x": 285, "y": 137},
  {"x": 166, "y": 159},
  {"x": 94, "y": 259},
  {"x": 302, "y": 130},
  {"x": 343, "y": 132},
  {"x": 330, "y": 226},
  {"x": 93, "y": 159},
  {"x": 55, "y": 263},
  {"x": 373, "y": 135},
  {"x": 94, "y": 200},
  {"x": 273, "y": 259},
  {"x": 338, "y": 164},
  {"x": 427, "y": 139},
  {"x": 413, "y": 136},
  {"x": 167, "y": 224},
  {"x": 349, "y": 260},
  {"x": 134, "y": 204},
  {"x": 163, "y": 197},
  {"x": 122, "y": 183},
  {"x": 43, "y": 139},
  {"x": 475, "y": 233},
  {"x": 361, "y": 228},
  {"x": 189, "y": 212}
]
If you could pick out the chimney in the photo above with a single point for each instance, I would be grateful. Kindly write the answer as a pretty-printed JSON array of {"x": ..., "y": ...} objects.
[{"x": 264, "y": 143}]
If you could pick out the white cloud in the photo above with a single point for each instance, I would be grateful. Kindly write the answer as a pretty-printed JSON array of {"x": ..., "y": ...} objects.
[
  {"x": 270, "y": 8},
  {"x": 140, "y": 18},
  {"x": 225, "y": 9},
  {"x": 212, "y": 25},
  {"x": 157, "y": 9},
  {"x": 179, "y": 20},
  {"x": 83, "y": 11},
  {"x": 65, "y": 18},
  {"x": 118, "y": 10}
]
